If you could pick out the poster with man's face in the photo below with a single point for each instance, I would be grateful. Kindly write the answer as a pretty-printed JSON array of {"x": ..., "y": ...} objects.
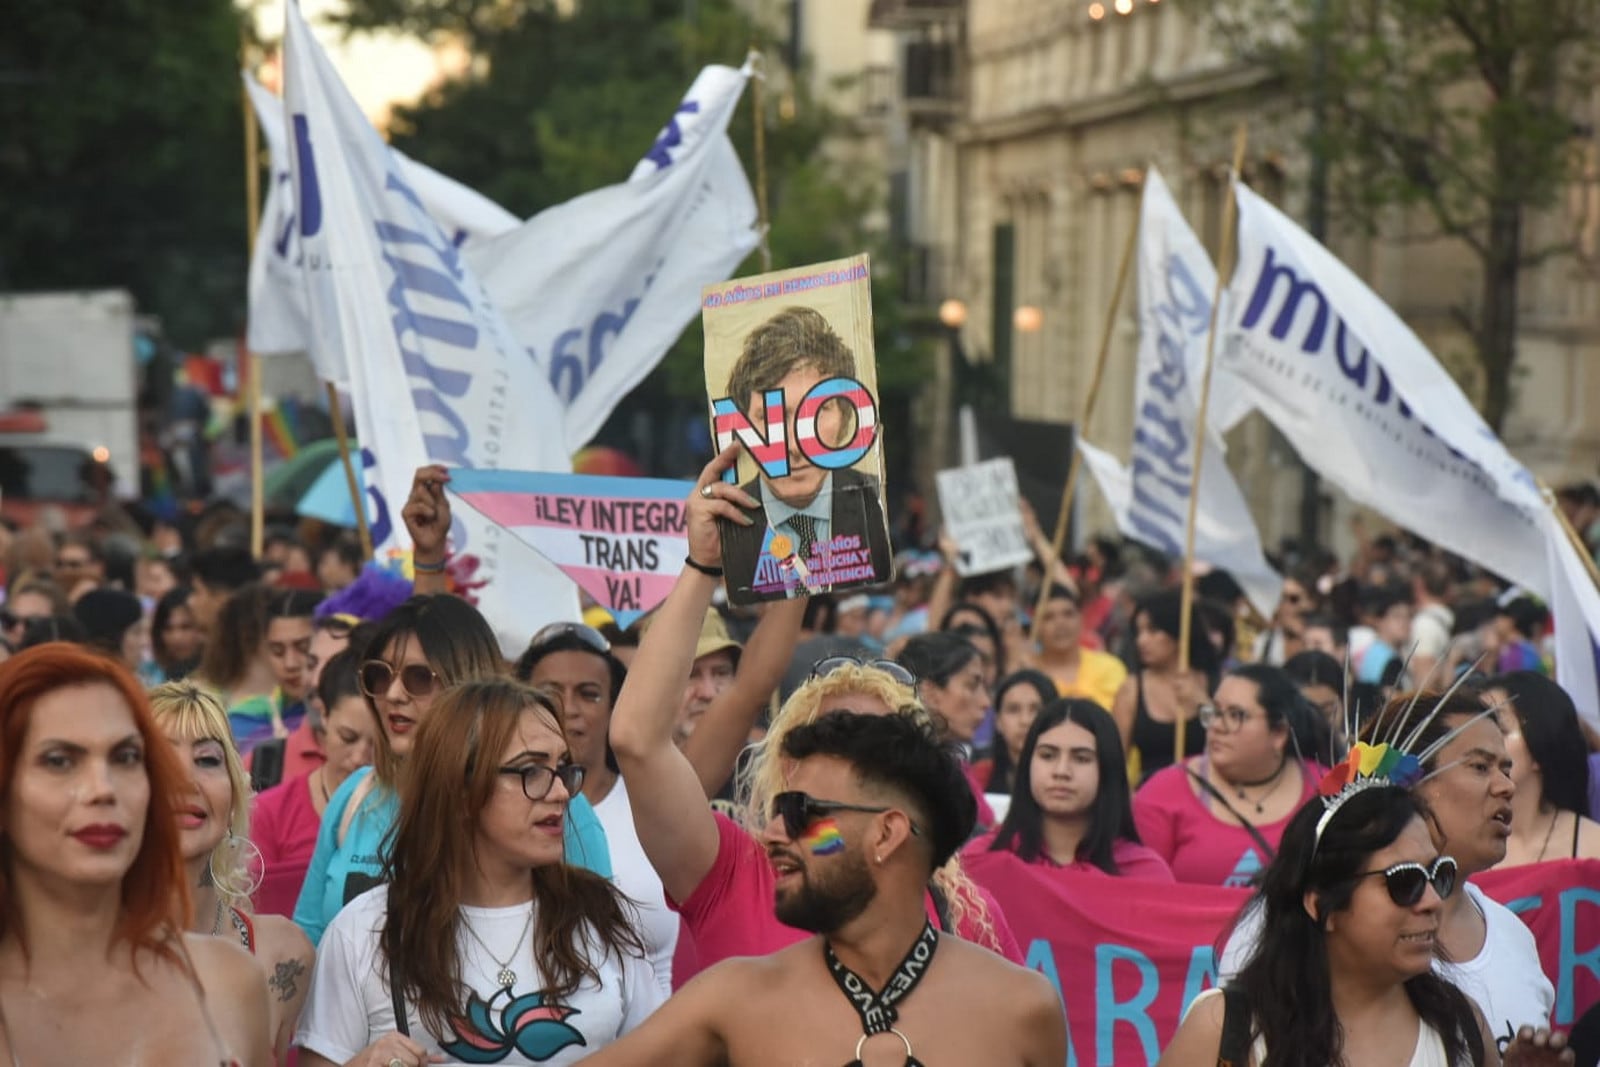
[{"x": 791, "y": 376}]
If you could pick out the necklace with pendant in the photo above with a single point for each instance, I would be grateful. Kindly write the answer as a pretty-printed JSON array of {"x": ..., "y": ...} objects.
[{"x": 505, "y": 975}]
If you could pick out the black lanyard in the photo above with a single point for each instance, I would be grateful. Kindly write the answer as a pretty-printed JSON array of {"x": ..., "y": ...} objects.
[{"x": 876, "y": 1009}]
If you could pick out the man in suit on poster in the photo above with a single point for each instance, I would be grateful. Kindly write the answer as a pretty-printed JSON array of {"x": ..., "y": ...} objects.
[{"x": 811, "y": 507}]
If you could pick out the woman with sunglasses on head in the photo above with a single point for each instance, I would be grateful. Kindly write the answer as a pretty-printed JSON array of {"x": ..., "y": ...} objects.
[
  {"x": 485, "y": 946},
  {"x": 1070, "y": 806},
  {"x": 1216, "y": 818},
  {"x": 213, "y": 815},
  {"x": 1157, "y": 694},
  {"x": 1465, "y": 785},
  {"x": 1017, "y": 702},
  {"x": 714, "y": 870},
  {"x": 94, "y": 964},
  {"x": 574, "y": 662},
  {"x": 1550, "y": 764},
  {"x": 424, "y": 645}
]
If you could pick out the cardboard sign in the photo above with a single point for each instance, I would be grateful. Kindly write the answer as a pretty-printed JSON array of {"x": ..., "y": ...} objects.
[
  {"x": 791, "y": 376},
  {"x": 622, "y": 540},
  {"x": 979, "y": 506},
  {"x": 1128, "y": 956}
]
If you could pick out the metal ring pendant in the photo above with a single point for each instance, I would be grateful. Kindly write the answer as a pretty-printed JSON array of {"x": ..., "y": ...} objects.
[{"x": 904, "y": 1040}]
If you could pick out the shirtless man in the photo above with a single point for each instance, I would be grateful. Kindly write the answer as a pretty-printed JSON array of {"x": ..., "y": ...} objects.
[{"x": 874, "y": 806}]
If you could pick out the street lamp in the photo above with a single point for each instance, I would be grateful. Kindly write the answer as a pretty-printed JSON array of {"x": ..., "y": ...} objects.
[
  {"x": 1027, "y": 319},
  {"x": 953, "y": 313}
]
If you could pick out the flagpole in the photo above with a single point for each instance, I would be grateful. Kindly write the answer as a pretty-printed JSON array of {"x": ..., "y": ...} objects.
[
  {"x": 758, "y": 78},
  {"x": 1224, "y": 268},
  {"x": 252, "y": 195},
  {"x": 341, "y": 434},
  {"x": 1075, "y": 464}
]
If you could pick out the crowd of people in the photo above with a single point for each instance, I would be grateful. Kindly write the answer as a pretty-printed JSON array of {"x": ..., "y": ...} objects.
[{"x": 297, "y": 808}]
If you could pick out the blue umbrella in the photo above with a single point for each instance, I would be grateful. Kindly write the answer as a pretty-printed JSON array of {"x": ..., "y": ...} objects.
[{"x": 328, "y": 498}]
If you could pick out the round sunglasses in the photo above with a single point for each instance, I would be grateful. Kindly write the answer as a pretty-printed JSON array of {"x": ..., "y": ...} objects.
[
  {"x": 824, "y": 667},
  {"x": 417, "y": 679},
  {"x": 1407, "y": 882}
]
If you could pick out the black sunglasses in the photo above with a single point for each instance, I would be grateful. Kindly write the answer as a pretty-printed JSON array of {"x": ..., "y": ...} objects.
[
  {"x": 417, "y": 679},
  {"x": 1408, "y": 881},
  {"x": 824, "y": 667},
  {"x": 799, "y": 810},
  {"x": 537, "y": 778},
  {"x": 588, "y": 635}
]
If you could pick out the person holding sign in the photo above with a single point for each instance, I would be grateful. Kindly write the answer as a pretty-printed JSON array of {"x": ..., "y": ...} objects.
[{"x": 872, "y": 806}]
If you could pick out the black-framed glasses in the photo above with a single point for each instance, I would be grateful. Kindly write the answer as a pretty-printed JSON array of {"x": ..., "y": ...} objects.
[
  {"x": 824, "y": 667},
  {"x": 588, "y": 635},
  {"x": 799, "y": 810},
  {"x": 1407, "y": 882},
  {"x": 538, "y": 778},
  {"x": 1225, "y": 719},
  {"x": 417, "y": 679}
]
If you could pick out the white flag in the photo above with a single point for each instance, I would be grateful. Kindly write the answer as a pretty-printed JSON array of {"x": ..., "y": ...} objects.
[
  {"x": 435, "y": 375},
  {"x": 1575, "y": 606},
  {"x": 1151, "y": 498},
  {"x": 600, "y": 287},
  {"x": 278, "y": 322}
]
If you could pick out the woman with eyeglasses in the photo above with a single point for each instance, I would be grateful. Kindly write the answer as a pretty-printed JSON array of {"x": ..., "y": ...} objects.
[
  {"x": 714, "y": 868},
  {"x": 426, "y": 644},
  {"x": 213, "y": 814},
  {"x": 485, "y": 946},
  {"x": 1550, "y": 764},
  {"x": 1216, "y": 818},
  {"x": 1070, "y": 807},
  {"x": 574, "y": 662}
]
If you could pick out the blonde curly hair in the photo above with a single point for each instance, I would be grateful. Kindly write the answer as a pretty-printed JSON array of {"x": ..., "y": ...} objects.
[{"x": 761, "y": 774}]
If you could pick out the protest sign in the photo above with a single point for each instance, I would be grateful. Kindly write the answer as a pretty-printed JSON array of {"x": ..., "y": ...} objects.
[
  {"x": 623, "y": 540},
  {"x": 791, "y": 376},
  {"x": 979, "y": 507},
  {"x": 1128, "y": 956},
  {"x": 435, "y": 375}
]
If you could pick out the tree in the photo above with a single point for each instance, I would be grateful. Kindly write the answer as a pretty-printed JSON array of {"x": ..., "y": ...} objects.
[
  {"x": 121, "y": 164},
  {"x": 1466, "y": 111}
]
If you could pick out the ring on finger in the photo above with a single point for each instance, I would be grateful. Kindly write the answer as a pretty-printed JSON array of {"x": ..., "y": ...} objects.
[
  {"x": 397, "y": 1062},
  {"x": 706, "y": 490}
]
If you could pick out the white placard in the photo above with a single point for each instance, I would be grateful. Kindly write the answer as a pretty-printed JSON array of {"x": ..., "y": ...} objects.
[{"x": 979, "y": 505}]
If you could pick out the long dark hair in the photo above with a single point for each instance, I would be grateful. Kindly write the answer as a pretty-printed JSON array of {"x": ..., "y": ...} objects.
[
  {"x": 1286, "y": 980},
  {"x": 985, "y": 621},
  {"x": 1002, "y": 773},
  {"x": 1165, "y": 612},
  {"x": 1111, "y": 817},
  {"x": 450, "y": 778},
  {"x": 1551, "y": 732},
  {"x": 169, "y": 605}
]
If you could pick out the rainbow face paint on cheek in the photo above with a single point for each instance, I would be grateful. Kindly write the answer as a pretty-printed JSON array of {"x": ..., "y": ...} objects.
[{"x": 823, "y": 838}]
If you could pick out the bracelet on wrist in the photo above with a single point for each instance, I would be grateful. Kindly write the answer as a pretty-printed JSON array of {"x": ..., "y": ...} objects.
[
  {"x": 429, "y": 568},
  {"x": 709, "y": 572}
]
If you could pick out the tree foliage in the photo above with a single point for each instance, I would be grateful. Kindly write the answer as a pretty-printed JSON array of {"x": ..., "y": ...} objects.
[
  {"x": 121, "y": 161},
  {"x": 1469, "y": 112}
]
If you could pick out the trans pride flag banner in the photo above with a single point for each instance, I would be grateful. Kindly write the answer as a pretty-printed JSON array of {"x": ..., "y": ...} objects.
[{"x": 622, "y": 540}]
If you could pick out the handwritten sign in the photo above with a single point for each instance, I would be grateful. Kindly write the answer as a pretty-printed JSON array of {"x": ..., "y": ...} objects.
[
  {"x": 622, "y": 540},
  {"x": 979, "y": 505}
]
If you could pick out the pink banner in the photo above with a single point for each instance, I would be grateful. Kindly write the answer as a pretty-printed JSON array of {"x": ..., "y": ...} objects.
[{"x": 1128, "y": 956}]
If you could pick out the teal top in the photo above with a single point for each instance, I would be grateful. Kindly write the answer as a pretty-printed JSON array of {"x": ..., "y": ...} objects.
[{"x": 342, "y": 871}]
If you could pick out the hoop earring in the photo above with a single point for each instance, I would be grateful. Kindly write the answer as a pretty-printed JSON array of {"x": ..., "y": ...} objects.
[{"x": 242, "y": 881}]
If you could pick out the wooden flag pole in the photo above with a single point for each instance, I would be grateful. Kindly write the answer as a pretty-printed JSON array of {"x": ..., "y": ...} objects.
[
  {"x": 252, "y": 383},
  {"x": 1075, "y": 464},
  {"x": 1224, "y": 269},
  {"x": 758, "y": 77},
  {"x": 341, "y": 434}
]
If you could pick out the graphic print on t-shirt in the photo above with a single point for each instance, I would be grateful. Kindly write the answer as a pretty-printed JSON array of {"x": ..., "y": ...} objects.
[
  {"x": 1245, "y": 871},
  {"x": 527, "y": 1024}
]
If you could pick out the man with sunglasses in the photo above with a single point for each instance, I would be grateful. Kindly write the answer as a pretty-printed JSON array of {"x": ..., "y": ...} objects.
[{"x": 875, "y": 806}]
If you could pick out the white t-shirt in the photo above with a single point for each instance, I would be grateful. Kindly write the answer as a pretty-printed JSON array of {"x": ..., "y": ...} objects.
[
  {"x": 1429, "y": 1050},
  {"x": 1504, "y": 978},
  {"x": 631, "y": 871},
  {"x": 349, "y": 1005}
]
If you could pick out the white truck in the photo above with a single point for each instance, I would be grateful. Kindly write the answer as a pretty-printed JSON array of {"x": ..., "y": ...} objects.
[{"x": 68, "y": 400}]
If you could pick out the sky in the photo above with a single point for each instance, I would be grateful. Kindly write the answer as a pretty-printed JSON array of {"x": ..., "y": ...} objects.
[{"x": 379, "y": 68}]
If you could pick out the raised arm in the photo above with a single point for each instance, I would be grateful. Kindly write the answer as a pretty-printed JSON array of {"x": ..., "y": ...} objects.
[
  {"x": 427, "y": 518},
  {"x": 670, "y": 813},
  {"x": 722, "y": 732}
]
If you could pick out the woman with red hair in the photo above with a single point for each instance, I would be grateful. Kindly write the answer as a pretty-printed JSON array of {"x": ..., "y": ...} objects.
[{"x": 94, "y": 966}]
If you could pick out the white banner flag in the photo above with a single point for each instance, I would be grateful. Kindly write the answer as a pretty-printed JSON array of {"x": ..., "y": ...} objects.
[
  {"x": 435, "y": 375},
  {"x": 1151, "y": 499},
  {"x": 980, "y": 505},
  {"x": 278, "y": 318},
  {"x": 1575, "y": 605},
  {"x": 600, "y": 287}
]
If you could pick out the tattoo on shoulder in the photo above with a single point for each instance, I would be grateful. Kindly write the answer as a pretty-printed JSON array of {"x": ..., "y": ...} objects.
[{"x": 285, "y": 980}]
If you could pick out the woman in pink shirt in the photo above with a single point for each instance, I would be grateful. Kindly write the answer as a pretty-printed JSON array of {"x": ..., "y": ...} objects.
[
  {"x": 285, "y": 818},
  {"x": 1070, "y": 807},
  {"x": 1216, "y": 818}
]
